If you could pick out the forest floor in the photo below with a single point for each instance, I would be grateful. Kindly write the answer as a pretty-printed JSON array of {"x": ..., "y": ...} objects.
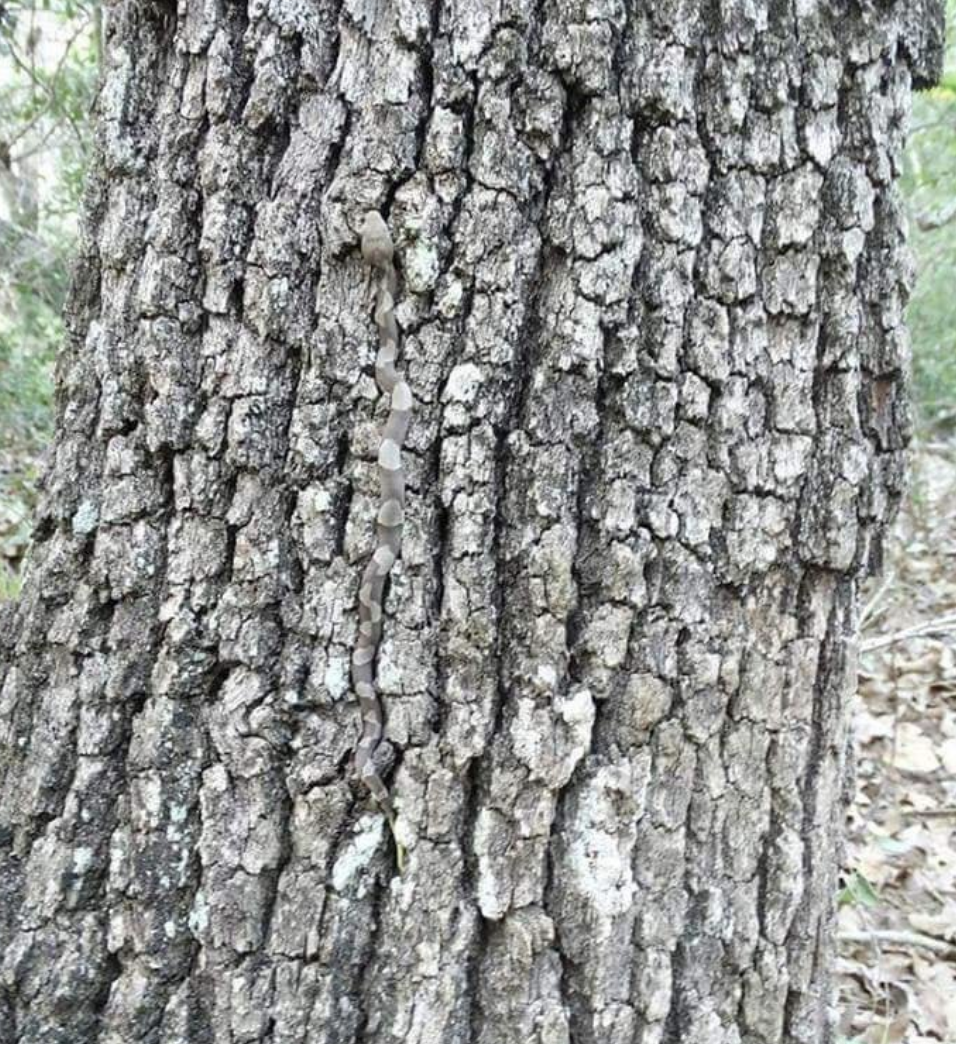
[{"x": 898, "y": 906}]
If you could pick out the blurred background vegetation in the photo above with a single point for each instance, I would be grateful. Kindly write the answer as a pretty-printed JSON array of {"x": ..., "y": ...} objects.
[
  {"x": 49, "y": 62},
  {"x": 49, "y": 59},
  {"x": 929, "y": 186}
]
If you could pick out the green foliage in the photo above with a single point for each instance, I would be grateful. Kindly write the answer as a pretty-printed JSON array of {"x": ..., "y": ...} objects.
[
  {"x": 9, "y": 582},
  {"x": 929, "y": 184},
  {"x": 857, "y": 892},
  {"x": 48, "y": 51},
  {"x": 48, "y": 73}
]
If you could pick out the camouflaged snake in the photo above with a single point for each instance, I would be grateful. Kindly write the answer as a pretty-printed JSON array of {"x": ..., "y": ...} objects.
[{"x": 378, "y": 251}]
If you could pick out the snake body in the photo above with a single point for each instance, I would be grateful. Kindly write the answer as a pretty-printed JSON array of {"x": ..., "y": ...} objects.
[{"x": 378, "y": 251}]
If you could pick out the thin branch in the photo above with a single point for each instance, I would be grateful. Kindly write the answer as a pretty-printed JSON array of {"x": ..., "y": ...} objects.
[
  {"x": 900, "y": 939},
  {"x": 931, "y": 222},
  {"x": 942, "y": 625},
  {"x": 873, "y": 604},
  {"x": 50, "y": 85},
  {"x": 919, "y": 128},
  {"x": 42, "y": 144},
  {"x": 929, "y": 813}
]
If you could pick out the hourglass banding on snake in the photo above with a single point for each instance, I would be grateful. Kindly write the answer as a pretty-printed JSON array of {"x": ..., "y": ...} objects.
[{"x": 378, "y": 251}]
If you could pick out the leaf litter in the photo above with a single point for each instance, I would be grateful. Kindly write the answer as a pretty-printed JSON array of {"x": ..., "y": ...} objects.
[{"x": 897, "y": 907}]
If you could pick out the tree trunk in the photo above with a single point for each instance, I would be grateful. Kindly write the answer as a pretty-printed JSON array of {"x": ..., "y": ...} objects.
[{"x": 652, "y": 278}]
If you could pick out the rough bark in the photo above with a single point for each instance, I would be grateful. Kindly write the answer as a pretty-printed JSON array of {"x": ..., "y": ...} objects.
[{"x": 652, "y": 287}]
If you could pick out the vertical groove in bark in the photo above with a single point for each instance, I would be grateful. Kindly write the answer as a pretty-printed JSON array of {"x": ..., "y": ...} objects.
[{"x": 652, "y": 287}]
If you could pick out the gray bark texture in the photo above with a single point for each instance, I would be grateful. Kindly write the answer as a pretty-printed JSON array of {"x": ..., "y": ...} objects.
[{"x": 652, "y": 280}]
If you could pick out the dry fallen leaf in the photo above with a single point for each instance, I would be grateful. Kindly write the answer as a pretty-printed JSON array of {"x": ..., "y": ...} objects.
[
  {"x": 893, "y": 1031},
  {"x": 947, "y": 754},
  {"x": 940, "y": 926},
  {"x": 915, "y": 751},
  {"x": 869, "y": 727},
  {"x": 937, "y": 999}
]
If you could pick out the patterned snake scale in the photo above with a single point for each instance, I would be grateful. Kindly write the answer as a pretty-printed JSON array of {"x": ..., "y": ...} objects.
[{"x": 378, "y": 251}]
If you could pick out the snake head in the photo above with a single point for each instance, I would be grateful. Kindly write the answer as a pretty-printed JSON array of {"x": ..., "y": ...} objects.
[{"x": 377, "y": 247}]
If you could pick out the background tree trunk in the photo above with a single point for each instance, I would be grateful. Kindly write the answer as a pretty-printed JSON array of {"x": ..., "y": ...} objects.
[{"x": 653, "y": 278}]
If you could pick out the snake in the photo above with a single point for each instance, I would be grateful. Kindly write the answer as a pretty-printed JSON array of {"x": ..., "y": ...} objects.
[{"x": 378, "y": 251}]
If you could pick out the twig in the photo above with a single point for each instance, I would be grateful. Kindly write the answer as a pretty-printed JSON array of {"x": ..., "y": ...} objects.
[
  {"x": 895, "y": 938},
  {"x": 929, "y": 813},
  {"x": 49, "y": 85},
  {"x": 931, "y": 222},
  {"x": 941, "y": 625},
  {"x": 871, "y": 606}
]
